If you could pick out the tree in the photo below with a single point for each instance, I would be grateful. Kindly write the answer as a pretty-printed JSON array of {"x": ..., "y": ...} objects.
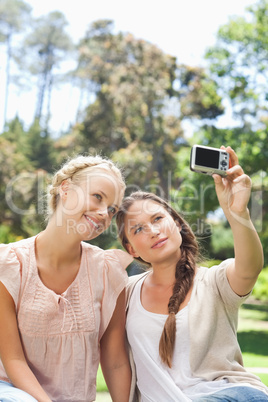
[
  {"x": 13, "y": 163},
  {"x": 40, "y": 148},
  {"x": 24, "y": 156},
  {"x": 132, "y": 114},
  {"x": 238, "y": 62},
  {"x": 198, "y": 94},
  {"x": 14, "y": 15},
  {"x": 48, "y": 45}
]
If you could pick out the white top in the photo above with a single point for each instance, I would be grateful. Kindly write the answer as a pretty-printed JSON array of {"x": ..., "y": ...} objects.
[{"x": 144, "y": 330}]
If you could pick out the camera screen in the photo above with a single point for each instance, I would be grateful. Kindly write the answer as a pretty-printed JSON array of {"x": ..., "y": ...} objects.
[{"x": 207, "y": 157}]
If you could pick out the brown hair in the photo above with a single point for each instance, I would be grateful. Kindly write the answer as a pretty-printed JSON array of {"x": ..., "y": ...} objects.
[{"x": 185, "y": 268}]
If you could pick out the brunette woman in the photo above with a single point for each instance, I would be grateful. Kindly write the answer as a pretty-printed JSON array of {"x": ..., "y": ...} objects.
[{"x": 182, "y": 318}]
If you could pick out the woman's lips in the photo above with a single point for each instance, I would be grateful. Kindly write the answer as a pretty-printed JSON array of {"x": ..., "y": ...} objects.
[
  {"x": 160, "y": 243},
  {"x": 92, "y": 222}
]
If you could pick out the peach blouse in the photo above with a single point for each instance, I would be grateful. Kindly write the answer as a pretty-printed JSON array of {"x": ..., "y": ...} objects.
[{"x": 60, "y": 333}]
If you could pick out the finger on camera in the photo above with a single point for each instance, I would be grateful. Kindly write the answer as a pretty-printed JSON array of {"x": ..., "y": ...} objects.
[{"x": 233, "y": 161}]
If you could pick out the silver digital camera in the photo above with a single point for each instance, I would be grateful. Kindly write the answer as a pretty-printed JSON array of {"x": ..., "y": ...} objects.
[{"x": 209, "y": 160}]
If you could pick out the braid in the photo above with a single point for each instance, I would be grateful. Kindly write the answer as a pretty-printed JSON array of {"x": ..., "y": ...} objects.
[{"x": 183, "y": 282}]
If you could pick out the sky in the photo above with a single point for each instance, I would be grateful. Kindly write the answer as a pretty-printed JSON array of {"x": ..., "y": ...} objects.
[{"x": 181, "y": 28}]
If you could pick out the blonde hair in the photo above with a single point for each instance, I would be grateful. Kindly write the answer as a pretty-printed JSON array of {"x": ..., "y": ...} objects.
[{"x": 76, "y": 170}]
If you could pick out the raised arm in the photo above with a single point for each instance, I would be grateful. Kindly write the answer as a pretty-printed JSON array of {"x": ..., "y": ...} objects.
[
  {"x": 234, "y": 193},
  {"x": 11, "y": 351},
  {"x": 114, "y": 357}
]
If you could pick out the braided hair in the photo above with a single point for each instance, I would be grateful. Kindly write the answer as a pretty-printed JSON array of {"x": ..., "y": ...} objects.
[
  {"x": 185, "y": 267},
  {"x": 76, "y": 170}
]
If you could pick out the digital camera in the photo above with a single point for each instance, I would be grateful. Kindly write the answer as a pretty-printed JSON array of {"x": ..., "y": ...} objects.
[{"x": 209, "y": 160}]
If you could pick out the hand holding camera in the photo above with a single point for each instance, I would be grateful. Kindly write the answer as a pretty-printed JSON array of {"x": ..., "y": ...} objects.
[
  {"x": 233, "y": 186},
  {"x": 209, "y": 160}
]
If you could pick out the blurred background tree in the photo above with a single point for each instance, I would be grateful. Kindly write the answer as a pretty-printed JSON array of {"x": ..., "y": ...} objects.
[
  {"x": 138, "y": 102},
  {"x": 14, "y": 17},
  {"x": 135, "y": 95},
  {"x": 47, "y": 46}
]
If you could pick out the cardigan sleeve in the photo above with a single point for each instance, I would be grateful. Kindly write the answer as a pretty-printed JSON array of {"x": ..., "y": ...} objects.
[{"x": 219, "y": 275}]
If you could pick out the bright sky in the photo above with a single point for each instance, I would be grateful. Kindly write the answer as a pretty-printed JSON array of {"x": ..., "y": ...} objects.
[{"x": 182, "y": 28}]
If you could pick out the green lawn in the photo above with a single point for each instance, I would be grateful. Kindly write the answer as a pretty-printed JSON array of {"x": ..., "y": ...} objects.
[
  {"x": 252, "y": 336},
  {"x": 263, "y": 377},
  {"x": 101, "y": 385}
]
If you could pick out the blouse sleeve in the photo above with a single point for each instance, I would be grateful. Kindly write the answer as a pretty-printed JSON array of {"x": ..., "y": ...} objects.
[
  {"x": 115, "y": 280},
  {"x": 10, "y": 271}
]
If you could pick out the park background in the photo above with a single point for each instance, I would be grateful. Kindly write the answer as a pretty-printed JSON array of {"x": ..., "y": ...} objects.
[{"x": 126, "y": 97}]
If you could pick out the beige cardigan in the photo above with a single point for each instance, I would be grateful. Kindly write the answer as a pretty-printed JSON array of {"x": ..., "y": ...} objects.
[{"x": 213, "y": 316}]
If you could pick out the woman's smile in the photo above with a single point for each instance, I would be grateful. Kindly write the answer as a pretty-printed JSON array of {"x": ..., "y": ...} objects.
[{"x": 94, "y": 223}]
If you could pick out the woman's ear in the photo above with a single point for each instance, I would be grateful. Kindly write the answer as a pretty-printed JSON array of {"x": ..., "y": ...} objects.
[
  {"x": 64, "y": 187},
  {"x": 178, "y": 225},
  {"x": 131, "y": 250}
]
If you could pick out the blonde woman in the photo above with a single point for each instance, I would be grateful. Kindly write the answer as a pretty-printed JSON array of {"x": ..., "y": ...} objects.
[
  {"x": 182, "y": 318},
  {"x": 61, "y": 299}
]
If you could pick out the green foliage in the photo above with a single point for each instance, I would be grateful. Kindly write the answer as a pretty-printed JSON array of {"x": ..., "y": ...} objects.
[
  {"x": 25, "y": 159},
  {"x": 237, "y": 63},
  {"x": 263, "y": 377},
  {"x": 210, "y": 263},
  {"x": 47, "y": 45},
  {"x": 252, "y": 150},
  {"x": 252, "y": 335},
  {"x": 101, "y": 384},
  {"x": 108, "y": 239},
  {"x": 254, "y": 341},
  {"x": 139, "y": 98},
  {"x": 14, "y": 17},
  {"x": 222, "y": 245},
  {"x": 260, "y": 290},
  {"x": 6, "y": 235},
  {"x": 40, "y": 148},
  {"x": 133, "y": 81},
  {"x": 198, "y": 94},
  {"x": 14, "y": 14},
  {"x": 134, "y": 85}
]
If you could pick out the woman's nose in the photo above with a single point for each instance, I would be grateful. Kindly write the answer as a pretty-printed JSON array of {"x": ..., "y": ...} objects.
[
  {"x": 155, "y": 230},
  {"x": 103, "y": 211}
]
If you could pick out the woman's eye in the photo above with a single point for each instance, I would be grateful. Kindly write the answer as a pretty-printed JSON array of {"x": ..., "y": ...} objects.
[
  {"x": 158, "y": 218},
  {"x": 138, "y": 230},
  {"x": 98, "y": 196},
  {"x": 112, "y": 210}
]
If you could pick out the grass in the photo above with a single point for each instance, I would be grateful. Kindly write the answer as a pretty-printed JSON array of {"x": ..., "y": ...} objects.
[
  {"x": 263, "y": 377},
  {"x": 101, "y": 384},
  {"x": 252, "y": 337}
]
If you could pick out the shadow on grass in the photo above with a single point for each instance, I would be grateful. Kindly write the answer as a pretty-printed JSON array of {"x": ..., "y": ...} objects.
[
  {"x": 254, "y": 342},
  {"x": 256, "y": 307}
]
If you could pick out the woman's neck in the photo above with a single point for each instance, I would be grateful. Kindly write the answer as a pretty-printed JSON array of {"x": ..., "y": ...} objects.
[
  {"x": 164, "y": 271},
  {"x": 163, "y": 274},
  {"x": 62, "y": 247}
]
